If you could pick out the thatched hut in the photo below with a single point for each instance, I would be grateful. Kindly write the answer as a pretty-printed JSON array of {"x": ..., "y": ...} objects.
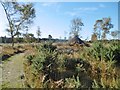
[{"x": 75, "y": 40}]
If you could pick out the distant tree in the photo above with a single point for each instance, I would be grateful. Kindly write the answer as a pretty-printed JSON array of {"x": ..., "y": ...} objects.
[
  {"x": 76, "y": 25},
  {"x": 65, "y": 35},
  {"x": 18, "y": 37},
  {"x": 115, "y": 34},
  {"x": 94, "y": 37},
  {"x": 18, "y": 16},
  {"x": 50, "y": 37},
  {"x": 38, "y": 33},
  {"x": 29, "y": 37},
  {"x": 60, "y": 37},
  {"x": 102, "y": 27},
  {"x": 65, "y": 38}
]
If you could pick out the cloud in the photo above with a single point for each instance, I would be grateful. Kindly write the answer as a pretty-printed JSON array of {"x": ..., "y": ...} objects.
[
  {"x": 47, "y": 4},
  {"x": 72, "y": 13},
  {"x": 55, "y": 5},
  {"x": 102, "y": 5},
  {"x": 86, "y": 9},
  {"x": 81, "y": 10}
]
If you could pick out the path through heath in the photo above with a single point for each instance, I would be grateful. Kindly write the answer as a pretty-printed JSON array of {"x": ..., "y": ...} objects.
[{"x": 12, "y": 72}]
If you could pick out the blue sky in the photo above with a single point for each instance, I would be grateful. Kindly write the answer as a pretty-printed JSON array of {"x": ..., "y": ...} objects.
[{"x": 55, "y": 17}]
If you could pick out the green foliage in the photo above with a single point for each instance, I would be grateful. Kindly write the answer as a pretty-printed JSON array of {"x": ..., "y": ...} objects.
[
  {"x": 99, "y": 52},
  {"x": 19, "y": 16},
  {"x": 48, "y": 46},
  {"x": 30, "y": 58},
  {"x": 104, "y": 59},
  {"x": 72, "y": 82},
  {"x": 61, "y": 62},
  {"x": 113, "y": 84},
  {"x": 103, "y": 27},
  {"x": 29, "y": 38},
  {"x": 98, "y": 68},
  {"x": 46, "y": 58},
  {"x": 5, "y": 85},
  {"x": 113, "y": 52}
]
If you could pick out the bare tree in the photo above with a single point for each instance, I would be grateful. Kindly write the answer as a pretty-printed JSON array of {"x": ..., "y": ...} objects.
[
  {"x": 38, "y": 33},
  {"x": 102, "y": 27},
  {"x": 18, "y": 16},
  {"x": 76, "y": 25}
]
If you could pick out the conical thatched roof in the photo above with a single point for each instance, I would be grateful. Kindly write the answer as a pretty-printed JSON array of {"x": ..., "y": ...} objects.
[{"x": 75, "y": 40}]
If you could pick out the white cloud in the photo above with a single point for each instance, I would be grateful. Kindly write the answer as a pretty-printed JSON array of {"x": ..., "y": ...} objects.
[
  {"x": 72, "y": 13},
  {"x": 47, "y": 4},
  {"x": 102, "y": 5},
  {"x": 86, "y": 9},
  {"x": 55, "y": 5},
  {"x": 81, "y": 10}
]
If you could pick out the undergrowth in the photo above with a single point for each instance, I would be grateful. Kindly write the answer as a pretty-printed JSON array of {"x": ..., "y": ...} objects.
[{"x": 93, "y": 67}]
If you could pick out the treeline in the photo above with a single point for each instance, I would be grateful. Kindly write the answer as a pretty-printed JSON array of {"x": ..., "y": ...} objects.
[{"x": 30, "y": 40}]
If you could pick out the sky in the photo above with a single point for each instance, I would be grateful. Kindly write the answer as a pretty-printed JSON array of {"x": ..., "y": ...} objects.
[{"x": 54, "y": 18}]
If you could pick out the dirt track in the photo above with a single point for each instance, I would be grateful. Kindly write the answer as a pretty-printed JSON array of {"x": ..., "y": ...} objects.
[{"x": 12, "y": 72}]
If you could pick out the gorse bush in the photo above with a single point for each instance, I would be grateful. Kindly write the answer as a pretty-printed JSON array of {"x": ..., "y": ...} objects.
[
  {"x": 46, "y": 47},
  {"x": 115, "y": 50},
  {"x": 103, "y": 59},
  {"x": 113, "y": 53},
  {"x": 54, "y": 66},
  {"x": 45, "y": 58},
  {"x": 99, "y": 52},
  {"x": 72, "y": 82}
]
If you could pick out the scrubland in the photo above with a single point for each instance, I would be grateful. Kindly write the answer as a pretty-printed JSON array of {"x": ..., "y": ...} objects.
[{"x": 64, "y": 66}]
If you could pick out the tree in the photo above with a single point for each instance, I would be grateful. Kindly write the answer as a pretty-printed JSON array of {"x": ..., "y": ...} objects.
[
  {"x": 18, "y": 16},
  {"x": 29, "y": 37},
  {"x": 115, "y": 34},
  {"x": 18, "y": 37},
  {"x": 50, "y": 37},
  {"x": 76, "y": 25},
  {"x": 102, "y": 26},
  {"x": 38, "y": 33},
  {"x": 94, "y": 37},
  {"x": 65, "y": 32}
]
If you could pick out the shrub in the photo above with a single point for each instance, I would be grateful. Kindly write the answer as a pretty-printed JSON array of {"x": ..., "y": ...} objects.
[
  {"x": 46, "y": 57},
  {"x": 95, "y": 64},
  {"x": 103, "y": 60},
  {"x": 72, "y": 82},
  {"x": 99, "y": 52}
]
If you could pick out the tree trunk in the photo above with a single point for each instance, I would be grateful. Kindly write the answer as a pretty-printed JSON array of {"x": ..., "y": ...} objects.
[
  {"x": 38, "y": 39},
  {"x": 12, "y": 41}
]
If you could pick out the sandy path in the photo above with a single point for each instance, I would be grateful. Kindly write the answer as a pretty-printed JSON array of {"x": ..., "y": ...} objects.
[{"x": 12, "y": 71}]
